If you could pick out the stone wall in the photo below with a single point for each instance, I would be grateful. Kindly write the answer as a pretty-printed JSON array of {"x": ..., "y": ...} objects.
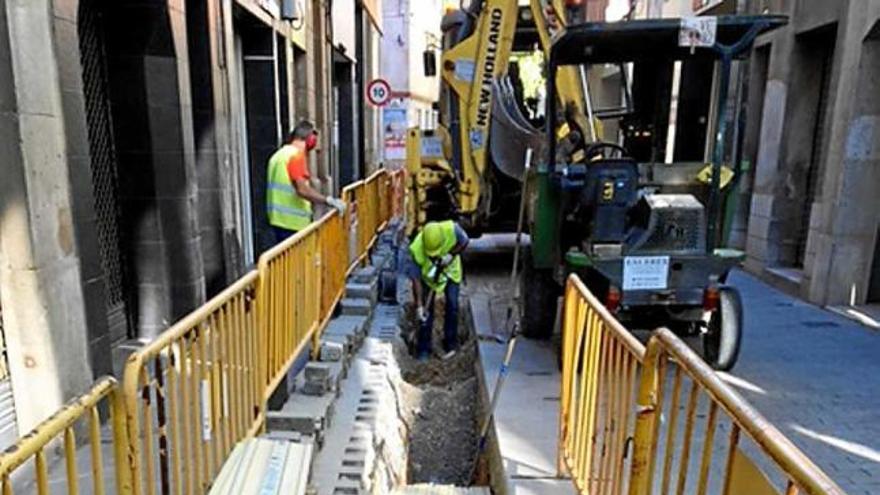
[{"x": 834, "y": 211}]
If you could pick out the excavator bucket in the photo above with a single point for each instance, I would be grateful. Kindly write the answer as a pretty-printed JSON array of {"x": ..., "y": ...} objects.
[{"x": 511, "y": 133}]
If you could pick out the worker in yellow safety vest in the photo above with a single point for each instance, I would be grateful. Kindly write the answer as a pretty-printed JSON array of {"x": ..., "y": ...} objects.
[
  {"x": 436, "y": 255},
  {"x": 289, "y": 193}
]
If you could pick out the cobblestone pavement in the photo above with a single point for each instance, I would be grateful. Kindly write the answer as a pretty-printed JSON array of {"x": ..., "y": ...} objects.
[{"x": 817, "y": 377}]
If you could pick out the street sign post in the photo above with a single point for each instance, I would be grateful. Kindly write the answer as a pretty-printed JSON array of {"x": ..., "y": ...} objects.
[{"x": 378, "y": 92}]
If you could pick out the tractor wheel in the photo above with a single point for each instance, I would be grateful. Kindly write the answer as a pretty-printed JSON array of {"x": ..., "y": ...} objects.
[
  {"x": 721, "y": 343},
  {"x": 538, "y": 292}
]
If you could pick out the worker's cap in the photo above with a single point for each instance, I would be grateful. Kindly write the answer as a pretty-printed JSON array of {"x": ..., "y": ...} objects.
[{"x": 433, "y": 239}]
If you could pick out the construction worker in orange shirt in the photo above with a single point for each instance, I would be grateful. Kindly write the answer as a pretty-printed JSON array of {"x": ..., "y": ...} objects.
[{"x": 289, "y": 194}]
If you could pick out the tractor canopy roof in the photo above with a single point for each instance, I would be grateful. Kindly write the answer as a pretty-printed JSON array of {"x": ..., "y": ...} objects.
[{"x": 654, "y": 39}]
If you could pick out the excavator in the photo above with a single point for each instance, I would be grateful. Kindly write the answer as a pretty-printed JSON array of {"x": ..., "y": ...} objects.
[
  {"x": 479, "y": 116},
  {"x": 599, "y": 199}
]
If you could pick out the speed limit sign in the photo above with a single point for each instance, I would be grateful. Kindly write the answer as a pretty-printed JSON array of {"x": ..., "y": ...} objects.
[{"x": 379, "y": 92}]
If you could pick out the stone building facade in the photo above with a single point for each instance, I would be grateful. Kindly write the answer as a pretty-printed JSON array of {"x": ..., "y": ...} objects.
[
  {"x": 813, "y": 133},
  {"x": 135, "y": 136}
]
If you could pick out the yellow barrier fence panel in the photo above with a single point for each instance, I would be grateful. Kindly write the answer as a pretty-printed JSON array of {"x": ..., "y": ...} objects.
[
  {"x": 202, "y": 385},
  {"x": 640, "y": 420},
  {"x": 193, "y": 393},
  {"x": 334, "y": 264},
  {"x": 400, "y": 193},
  {"x": 80, "y": 416},
  {"x": 365, "y": 200},
  {"x": 291, "y": 291},
  {"x": 695, "y": 434},
  {"x": 600, "y": 363}
]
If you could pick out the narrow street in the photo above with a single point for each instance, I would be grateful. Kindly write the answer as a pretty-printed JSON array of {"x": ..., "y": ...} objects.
[
  {"x": 812, "y": 373},
  {"x": 806, "y": 369},
  {"x": 265, "y": 246}
]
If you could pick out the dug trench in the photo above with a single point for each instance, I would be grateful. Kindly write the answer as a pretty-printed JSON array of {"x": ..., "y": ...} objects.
[
  {"x": 441, "y": 403},
  {"x": 403, "y": 426}
]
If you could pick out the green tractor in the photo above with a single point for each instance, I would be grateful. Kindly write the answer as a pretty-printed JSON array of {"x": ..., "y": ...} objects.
[{"x": 644, "y": 235}]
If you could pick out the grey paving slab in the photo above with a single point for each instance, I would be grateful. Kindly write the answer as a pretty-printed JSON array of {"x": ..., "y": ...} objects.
[
  {"x": 356, "y": 307},
  {"x": 368, "y": 291},
  {"x": 527, "y": 420}
]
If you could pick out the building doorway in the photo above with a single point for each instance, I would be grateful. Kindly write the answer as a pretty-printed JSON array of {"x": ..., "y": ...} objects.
[
  {"x": 239, "y": 123},
  {"x": 345, "y": 120},
  {"x": 262, "y": 107},
  {"x": 819, "y": 60},
  {"x": 104, "y": 167}
]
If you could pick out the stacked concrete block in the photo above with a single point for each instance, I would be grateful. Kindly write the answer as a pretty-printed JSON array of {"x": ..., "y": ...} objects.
[
  {"x": 366, "y": 290},
  {"x": 331, "y": 351},
  {"x": 364, "y": 275},
  {"x": 317, "y": 379},
  {"x": 344, "y": 344},
  {"x": 382, "y": 256},
  {"x": 356, "y": 307},
  {"x": 306, "y": 415},
  {"x": 349, "y": 330}
]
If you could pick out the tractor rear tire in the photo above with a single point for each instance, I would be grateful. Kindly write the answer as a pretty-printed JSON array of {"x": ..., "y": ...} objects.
[
  {"x": 539, "y": 292},
  {"x": 721, "y": 343}
]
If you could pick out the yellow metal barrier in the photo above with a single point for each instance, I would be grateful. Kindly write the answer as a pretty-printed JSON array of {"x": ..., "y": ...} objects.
[
  {"x": 86, "y": 409},
  {"x": 334, "y": 265},
  {"x": 202, "y": 386},
  {"x": 372, "y": 203},
  {"x": 398, "y": 195},
  {"x": 617, "y": 415},
  {"x": 599, "y": 370},
  {"x": 723, "y": 409},
  {"x": 194, "y": 392},
  {"x": 293, "y": 298},
  {"x": 190, "y": 395}
]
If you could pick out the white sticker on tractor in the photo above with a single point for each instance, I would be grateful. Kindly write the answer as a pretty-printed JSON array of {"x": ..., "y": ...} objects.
[
  {"x": 697, "y": 31},
  {"x": 645, "y": 272}
]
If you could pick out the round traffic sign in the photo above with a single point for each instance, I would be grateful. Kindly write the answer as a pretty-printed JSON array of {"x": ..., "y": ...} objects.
[{"x": 378, "y": 92}]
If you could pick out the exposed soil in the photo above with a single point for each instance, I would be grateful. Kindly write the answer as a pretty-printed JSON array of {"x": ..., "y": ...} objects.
[
  {"x": 442, "y": 407},
  {"x": 440, "y": 397}
]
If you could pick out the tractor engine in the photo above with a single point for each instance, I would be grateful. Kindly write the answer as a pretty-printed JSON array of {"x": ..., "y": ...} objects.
[{"x": 667, "y": 224}]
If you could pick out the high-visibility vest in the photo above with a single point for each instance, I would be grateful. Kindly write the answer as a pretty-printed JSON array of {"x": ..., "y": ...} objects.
[
  {"x": 452, "y": 272},
  {"x": 286, "y": 209}
]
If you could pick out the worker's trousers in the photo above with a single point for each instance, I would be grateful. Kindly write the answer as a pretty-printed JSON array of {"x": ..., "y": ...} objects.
[
  {"x": 450, "y": 323},
  {"x": 281, "y": 234}
]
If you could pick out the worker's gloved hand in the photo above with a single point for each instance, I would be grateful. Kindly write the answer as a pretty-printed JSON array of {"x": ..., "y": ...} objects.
[
  {"x": 336, "y": 203},
  {"x": 433, "y": 272},
  {"x": 423, "y": 314},
  {"x": 446, "y": 260}
]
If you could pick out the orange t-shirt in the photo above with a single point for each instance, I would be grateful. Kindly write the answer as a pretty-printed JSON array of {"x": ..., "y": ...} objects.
[{"x": 297, "y": 166}]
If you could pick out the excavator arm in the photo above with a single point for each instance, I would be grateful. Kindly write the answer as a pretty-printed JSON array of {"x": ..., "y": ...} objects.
[
  {"x": 469, "y": 69},
  {"x": 477, "y": 46}
]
